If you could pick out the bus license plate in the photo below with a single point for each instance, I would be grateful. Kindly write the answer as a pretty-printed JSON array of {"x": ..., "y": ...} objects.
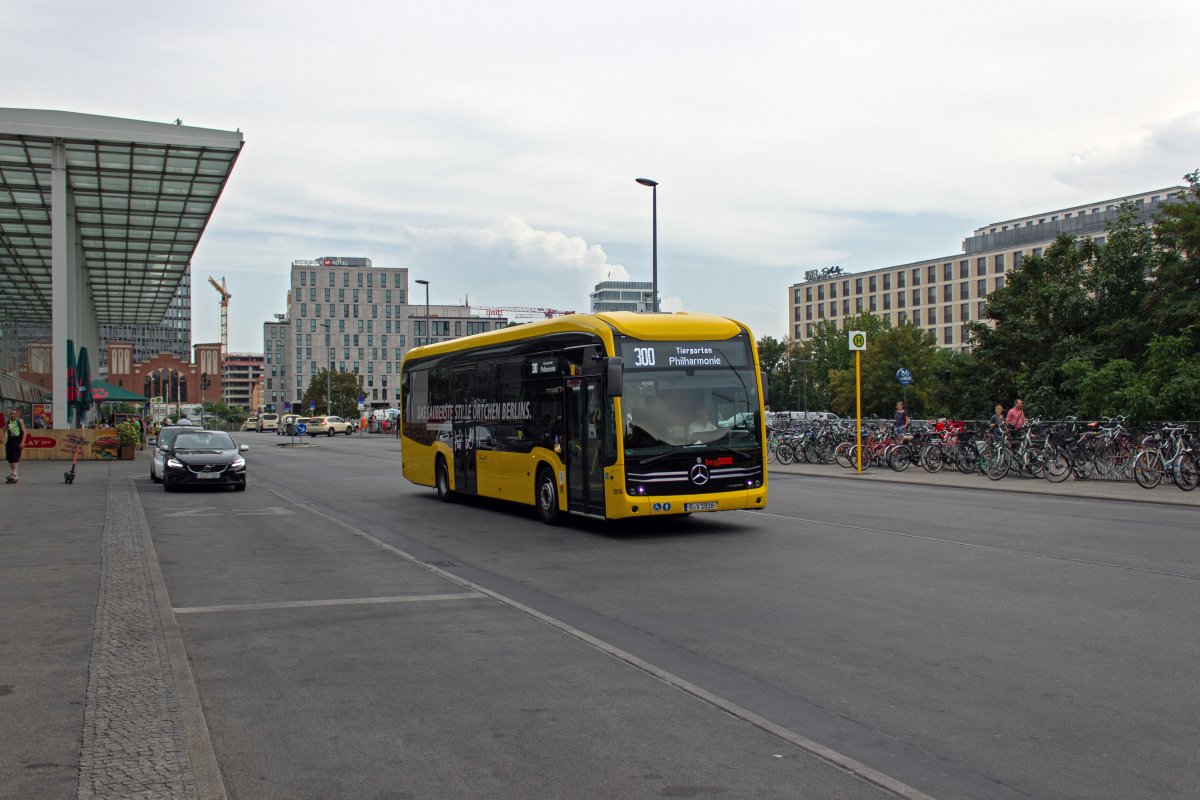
[{"x": 711, "y": 505}]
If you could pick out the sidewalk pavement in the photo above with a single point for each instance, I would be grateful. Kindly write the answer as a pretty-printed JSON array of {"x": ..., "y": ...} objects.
[
  {"x": 1166, "y": 493},
  {"x": 96, "y": 698}
]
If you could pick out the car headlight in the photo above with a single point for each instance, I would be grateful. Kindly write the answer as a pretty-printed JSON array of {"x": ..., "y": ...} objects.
[
  {"x": 238, "y": 463},
  {"x": 174, "y": 463}
]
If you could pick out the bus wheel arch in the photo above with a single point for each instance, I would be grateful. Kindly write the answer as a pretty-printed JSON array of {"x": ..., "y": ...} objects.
[
  {"x": 546, "y": 495},
  {"x": 441, "y": 480}
]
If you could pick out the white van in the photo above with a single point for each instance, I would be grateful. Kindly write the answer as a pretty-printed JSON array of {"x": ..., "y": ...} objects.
[{"x": 268, "y": 422}]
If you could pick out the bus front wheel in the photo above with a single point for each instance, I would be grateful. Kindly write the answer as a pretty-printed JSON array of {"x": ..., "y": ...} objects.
[
  {"x": 442, "y": 482},
  {"x": 547, "y": 497}
]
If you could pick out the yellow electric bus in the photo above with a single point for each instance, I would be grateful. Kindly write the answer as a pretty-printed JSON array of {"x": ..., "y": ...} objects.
[{"x": 610, "y": 415}]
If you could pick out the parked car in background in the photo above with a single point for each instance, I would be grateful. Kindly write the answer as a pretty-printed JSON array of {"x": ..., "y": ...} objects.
[
  {"x": 204, "y": 458},
  {"x": 268, "y": 422},
  {"x": 162, "y": 444},
  {"x": 329, "y": 426},
  {"x": 287, "y": 425},
  {"x": 251, "y": 424}
]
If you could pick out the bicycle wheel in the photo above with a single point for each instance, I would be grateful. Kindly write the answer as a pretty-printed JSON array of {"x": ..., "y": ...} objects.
[
  {"x": 772, "y": 448},
  {"x": 855, "y": 451},
  {"x": 1148, "y": 469},
  {"x": 966, "y": 457},
  {"x": 785, "y": 453},
  {"x": 1031, "y": 461},
  {"x": 933, "y": 458},
  {"x": 899, "y": 457},
  {"x": 1056, "y": 465},
  {"x": 997, "y": 463},
  {"x": 1187, "y": 472},
  {"x": 841, "y": 454}
]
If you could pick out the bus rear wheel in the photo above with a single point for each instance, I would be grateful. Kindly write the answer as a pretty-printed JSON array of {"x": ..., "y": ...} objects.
[
  {"x": 442, "y": 482},
  {"x": 547, "y": 497}
]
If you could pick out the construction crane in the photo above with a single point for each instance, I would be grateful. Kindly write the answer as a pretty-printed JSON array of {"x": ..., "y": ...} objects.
[
  {"x": 225, "y": 295},
  {"x": 521, "y": 312}
]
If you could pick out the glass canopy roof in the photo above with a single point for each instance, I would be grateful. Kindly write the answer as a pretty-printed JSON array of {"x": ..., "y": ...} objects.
[{"x": 142, "y": 194}]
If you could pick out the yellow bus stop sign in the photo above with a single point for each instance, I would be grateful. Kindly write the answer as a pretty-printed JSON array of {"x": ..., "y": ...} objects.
[{"x": 858, "y": 340}]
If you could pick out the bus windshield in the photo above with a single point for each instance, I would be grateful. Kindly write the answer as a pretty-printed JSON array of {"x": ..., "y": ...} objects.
[{"x": 700, "y": 395}]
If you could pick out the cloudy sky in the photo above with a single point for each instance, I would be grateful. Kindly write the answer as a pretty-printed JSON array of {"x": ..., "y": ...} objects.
[{"x": 492, "y": 148}]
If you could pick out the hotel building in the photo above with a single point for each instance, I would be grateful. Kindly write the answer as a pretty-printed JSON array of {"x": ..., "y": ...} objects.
[{"x": 943, "y": 294}]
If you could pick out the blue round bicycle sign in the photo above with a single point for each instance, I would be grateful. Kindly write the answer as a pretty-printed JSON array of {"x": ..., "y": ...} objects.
[{"x": 904, "y": 375}]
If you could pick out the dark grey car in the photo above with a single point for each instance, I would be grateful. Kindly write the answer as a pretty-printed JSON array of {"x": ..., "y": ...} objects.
[{"x": 205, "y": 458}]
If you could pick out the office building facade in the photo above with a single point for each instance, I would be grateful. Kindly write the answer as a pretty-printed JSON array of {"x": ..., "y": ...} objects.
[
  {"x": 239, "y": 374},
  {"x": 351, "y": 316},
  {"x": 943, "y": 294},
  {"x": 623, "y": 296}
]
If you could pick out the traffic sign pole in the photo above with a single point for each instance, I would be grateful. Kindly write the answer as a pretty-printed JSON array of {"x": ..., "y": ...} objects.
[
  {"x": 857, "y": 342},
  {"x": 858, "y": 403}
]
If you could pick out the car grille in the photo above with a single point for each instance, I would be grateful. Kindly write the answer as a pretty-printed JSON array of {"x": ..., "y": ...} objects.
[{"x": 210, "y": 469}]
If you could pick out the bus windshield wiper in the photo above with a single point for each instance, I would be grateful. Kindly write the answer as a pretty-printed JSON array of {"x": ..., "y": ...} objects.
[{"x": 645, "y": 462}]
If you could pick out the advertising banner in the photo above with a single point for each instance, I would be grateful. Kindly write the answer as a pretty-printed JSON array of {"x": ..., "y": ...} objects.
[{"x": 95, "y": 444}]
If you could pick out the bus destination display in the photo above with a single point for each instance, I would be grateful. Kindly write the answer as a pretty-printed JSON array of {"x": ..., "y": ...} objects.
[{"x": 684, "y": 355}]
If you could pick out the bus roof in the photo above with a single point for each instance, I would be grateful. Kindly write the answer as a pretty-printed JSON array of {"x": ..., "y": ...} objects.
[{"x": 661, "y": 327}]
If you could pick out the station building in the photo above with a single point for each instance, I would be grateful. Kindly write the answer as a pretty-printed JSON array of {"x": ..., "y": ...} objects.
[{"x": 943, "y": 294}]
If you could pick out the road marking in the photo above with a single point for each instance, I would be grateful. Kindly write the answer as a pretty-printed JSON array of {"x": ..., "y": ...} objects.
[
  {"x": 827, "y": 754},
  {"x": 199, "y": 511},
  {"x": 211, "y": 511},
  {"x": 350, "y": 601}
]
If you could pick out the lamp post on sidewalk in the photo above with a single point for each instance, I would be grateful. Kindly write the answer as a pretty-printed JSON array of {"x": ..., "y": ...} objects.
[
  {"x": 328, "y": 371},
  {"x": 427, "y": 333},
  {"x": 654, "y": 233}
]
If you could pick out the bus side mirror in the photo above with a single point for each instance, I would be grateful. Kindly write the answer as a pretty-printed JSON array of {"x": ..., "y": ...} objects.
[{"x": 614, "y": 375}]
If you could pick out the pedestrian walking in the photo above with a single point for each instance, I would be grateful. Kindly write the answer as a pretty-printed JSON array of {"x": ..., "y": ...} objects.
[{"x": 14, "y": 432}]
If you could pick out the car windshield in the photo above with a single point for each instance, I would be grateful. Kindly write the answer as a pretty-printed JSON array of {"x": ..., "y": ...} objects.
[
  {"x": 205, "y": 440},
  {"x": 167, "y": 435}
]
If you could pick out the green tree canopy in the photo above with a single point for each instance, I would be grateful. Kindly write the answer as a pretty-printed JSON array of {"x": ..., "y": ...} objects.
[{"x": 343, "y": 391}]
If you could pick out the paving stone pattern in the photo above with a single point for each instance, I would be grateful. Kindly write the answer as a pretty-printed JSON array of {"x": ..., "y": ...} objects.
[{"x": 133, "y": 738}]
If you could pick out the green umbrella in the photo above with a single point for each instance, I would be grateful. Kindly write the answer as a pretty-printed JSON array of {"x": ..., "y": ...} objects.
[{"x": 83, "y": 391}]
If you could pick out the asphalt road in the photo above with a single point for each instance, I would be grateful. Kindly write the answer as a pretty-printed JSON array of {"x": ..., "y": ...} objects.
[{"x": 351, "y": 636}]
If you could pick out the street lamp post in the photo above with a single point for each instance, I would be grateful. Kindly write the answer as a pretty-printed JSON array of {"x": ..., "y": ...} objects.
[
  {"x": 427, "y": 333},
  {"x": 654, "y": 233},
  {"x": 328, "y": 371},
  {"x": 804, "y": 362}
]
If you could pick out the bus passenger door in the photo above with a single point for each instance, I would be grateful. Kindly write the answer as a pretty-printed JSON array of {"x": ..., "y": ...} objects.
[
  {"x": 462, "y": 386},
  {"x": 585, "y": 433}
]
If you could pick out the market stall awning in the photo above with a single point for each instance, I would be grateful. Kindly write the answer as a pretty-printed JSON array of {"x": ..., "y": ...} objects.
[{"x": 105, "y": 392}]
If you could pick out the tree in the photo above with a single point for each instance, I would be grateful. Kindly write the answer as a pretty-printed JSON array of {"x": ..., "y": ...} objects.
[
  {"x": 887, "y": 351},
  {"x": 1041, "y": 318},
  {"x": 828, "y": 352},
  {"x": 774, "y": 361},
  {"x": 1172, "y": 302},
  {"x": 343, "y": 391}
]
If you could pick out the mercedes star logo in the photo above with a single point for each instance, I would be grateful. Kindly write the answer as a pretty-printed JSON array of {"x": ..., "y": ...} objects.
[{"x": 699, "y": 475}]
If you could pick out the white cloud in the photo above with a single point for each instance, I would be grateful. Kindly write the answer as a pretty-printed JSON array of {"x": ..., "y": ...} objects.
[
  {"x": 493, "y": 147},
  {"x": 522, "y": 247}
]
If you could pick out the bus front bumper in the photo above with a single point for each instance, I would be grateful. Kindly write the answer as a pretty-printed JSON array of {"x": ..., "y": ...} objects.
[{"x": 626, "y": 506}]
